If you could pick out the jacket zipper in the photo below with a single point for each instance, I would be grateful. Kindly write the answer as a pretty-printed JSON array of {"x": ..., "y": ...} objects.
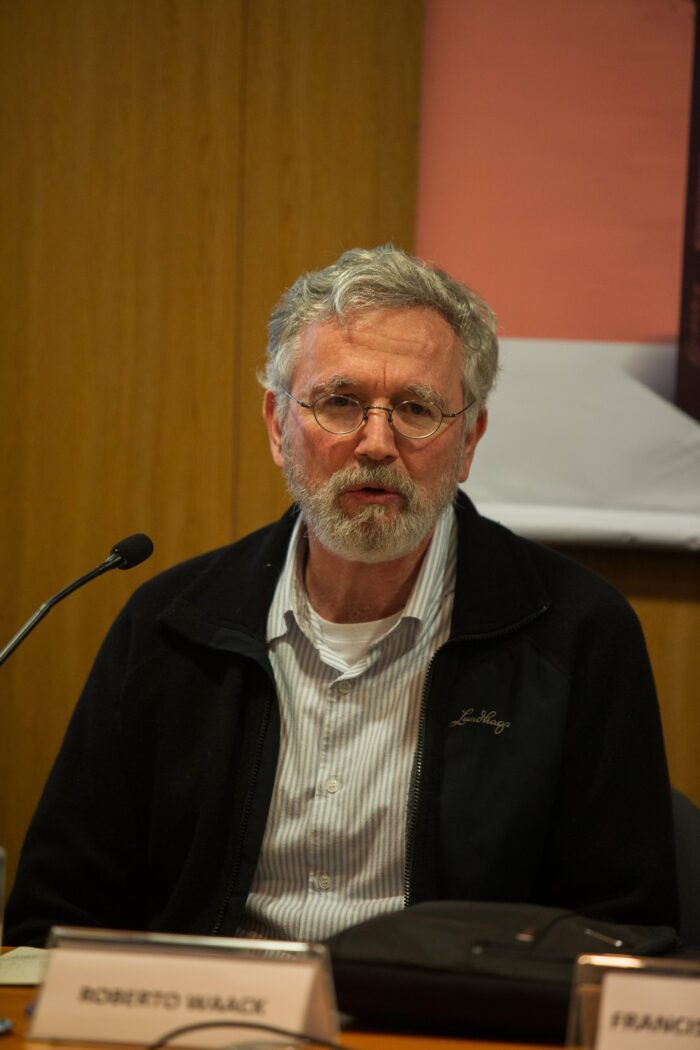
[
  {"x": 415, "y": 783},
  {"x": 247, "y": 806},
  {"x": 414, "y": 792}
]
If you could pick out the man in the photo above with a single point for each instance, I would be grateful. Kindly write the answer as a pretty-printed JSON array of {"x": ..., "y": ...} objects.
[{"x": 381, "y": 699}]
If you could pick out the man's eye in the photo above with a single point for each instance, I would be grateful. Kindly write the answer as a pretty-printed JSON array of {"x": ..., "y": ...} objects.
[
  {"x": 417, "y": 409},
  {"x": 339, "y": 401}
]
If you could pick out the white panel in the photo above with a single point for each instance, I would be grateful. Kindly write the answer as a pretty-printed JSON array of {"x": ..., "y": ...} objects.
[{"x": 584, "y": 446}]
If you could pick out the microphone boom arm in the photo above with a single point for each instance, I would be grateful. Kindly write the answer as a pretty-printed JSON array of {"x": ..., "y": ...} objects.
[{"x": 135, "y": 550}]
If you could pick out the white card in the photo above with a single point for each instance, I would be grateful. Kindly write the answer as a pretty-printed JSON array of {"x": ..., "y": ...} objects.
[
  {"x": 132, "y": 992},
  {"x": 22, "y": 966},
  {"x": 640, "y": 1011}
]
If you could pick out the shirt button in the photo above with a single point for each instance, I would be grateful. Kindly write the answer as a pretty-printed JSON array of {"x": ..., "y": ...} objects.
[
  {"x": 324, "y": 882},
  {"x": 344, "y": 688},
  {"x": 331, "y": 785}
]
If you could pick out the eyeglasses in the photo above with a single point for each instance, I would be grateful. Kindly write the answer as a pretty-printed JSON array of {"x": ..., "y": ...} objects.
[{"x": 343, "y": 414}]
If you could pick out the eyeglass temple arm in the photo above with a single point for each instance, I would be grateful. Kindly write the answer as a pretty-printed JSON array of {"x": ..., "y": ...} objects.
[
  {"x": 304, "y": 404},
  {"x": 451, "y": 415}
]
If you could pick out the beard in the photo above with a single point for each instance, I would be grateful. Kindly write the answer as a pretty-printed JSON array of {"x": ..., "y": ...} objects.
[{"x": 367, "y": 535}]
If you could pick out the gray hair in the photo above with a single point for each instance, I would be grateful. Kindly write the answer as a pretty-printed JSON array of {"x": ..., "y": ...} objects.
[{"x": 375, "y": 278}]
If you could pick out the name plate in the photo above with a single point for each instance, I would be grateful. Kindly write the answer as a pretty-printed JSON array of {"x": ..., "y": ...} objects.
[
  {"x": 648, "y": 1012},
  {"x": 108, "y": 986},
  {"x": 632, "y": 1002}
]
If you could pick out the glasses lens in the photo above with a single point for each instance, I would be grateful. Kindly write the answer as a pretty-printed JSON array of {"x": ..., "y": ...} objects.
[
  {"x": 338, "y": 413},
  {"x": 417, "y": 419}
]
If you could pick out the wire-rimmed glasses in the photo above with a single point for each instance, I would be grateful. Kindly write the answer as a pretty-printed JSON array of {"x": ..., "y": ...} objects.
[{"x": 342, "y": 414}]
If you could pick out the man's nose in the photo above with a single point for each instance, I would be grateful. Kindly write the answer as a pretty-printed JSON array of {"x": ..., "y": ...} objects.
[{"x": 377, "y": 440}]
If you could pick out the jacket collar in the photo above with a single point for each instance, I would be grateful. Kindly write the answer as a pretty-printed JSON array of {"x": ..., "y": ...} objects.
[
  {"x": 498, "y": 584},
  {"x": 226, "y": 606}
]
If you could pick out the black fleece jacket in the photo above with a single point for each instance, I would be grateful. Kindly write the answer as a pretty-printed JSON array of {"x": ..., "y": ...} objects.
[{"x": 540, "y": 776}]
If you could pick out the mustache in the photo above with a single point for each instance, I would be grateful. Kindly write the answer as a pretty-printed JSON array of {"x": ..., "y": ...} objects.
[{"x": 379, "y": 474}]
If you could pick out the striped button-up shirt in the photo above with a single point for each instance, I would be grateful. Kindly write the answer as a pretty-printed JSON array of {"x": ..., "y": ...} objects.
[{"x": 334, "y": 849}]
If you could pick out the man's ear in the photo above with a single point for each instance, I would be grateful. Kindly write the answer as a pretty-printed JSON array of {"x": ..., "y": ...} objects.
[
  {"x": 274, "y": 431},
  {"x": 473, "y": 438}
]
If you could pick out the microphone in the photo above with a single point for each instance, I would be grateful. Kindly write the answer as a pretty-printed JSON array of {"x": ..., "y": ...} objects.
[
  {"x": 127, "y": 553},
  {"x": 123, "y": 555}
]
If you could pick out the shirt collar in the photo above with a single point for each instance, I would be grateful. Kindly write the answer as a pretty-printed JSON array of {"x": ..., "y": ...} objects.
[
  {"x": 436, "y": 578},
  {"x": 286, "y": 598}
]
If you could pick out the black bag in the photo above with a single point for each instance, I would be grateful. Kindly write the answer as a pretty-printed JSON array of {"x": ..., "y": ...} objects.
[{"x": 475, "y": 967}]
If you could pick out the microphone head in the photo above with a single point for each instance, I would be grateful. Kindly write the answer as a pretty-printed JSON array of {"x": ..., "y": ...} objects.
[{"x": 133, "y": 550}]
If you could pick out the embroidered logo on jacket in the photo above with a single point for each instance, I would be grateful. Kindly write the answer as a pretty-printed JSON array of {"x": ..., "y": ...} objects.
[{"x": 486, "y": 718}]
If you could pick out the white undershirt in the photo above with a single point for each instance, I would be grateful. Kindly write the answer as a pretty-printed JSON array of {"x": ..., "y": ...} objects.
[{"x": 351, "y": 642}]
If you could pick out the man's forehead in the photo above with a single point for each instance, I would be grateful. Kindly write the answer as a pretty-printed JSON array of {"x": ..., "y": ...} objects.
[
  {"x": 412, "y": 347},
  {"x": 409, "y": 328}
]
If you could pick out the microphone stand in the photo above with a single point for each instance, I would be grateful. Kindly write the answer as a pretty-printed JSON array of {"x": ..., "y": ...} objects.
[
  {"x": 110, "y": 563},
  {"x": 124, "y": 555}
]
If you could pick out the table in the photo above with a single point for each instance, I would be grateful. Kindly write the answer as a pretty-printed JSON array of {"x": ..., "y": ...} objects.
[{"x": 13, "y": 1002}]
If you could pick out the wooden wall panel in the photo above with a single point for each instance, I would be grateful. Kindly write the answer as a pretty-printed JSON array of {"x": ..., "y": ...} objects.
[
  {"x": 330, "y": 164},
  {"x": 664, "y": 589},
  {"x": 118, "y": 188}
]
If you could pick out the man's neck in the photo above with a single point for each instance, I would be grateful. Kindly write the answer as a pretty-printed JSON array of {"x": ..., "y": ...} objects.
[{"x": 345, "y": 591}]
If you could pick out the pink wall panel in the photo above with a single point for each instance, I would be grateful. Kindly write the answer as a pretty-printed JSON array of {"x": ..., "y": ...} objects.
[{"x": 553, "y": 160}]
